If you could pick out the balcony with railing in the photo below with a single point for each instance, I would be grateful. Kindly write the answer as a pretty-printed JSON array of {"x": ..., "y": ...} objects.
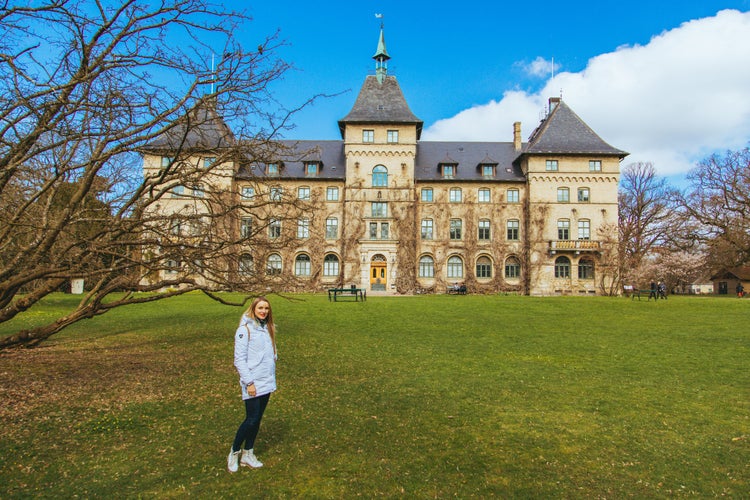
[{"x": 574, "y": 246}]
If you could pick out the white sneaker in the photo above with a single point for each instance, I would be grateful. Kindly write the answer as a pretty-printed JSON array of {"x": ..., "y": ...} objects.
[
  {"x": 249, "y": 459},
  {"x": 233, "y": 461}
]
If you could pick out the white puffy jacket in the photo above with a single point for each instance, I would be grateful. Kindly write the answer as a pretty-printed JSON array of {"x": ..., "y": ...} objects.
[{"x": 254, "y": 357}]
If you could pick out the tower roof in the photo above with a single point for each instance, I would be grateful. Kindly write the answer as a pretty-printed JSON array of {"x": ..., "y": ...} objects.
[
  {"x": 201, "y": 129},
  {"x": 563, "y": 132},
  {"x": 381, "y": 103}
]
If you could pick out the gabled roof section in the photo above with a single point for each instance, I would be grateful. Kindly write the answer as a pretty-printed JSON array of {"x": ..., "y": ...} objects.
[
  {"x": 741, "y": 273},
  {"x": 466, "y": 156},
  {"x": 294, "y": 155},
  {"x": 201, "y": 129},
  {"x": 381, "y": 103},
  {"x": 563, "y": 132}
]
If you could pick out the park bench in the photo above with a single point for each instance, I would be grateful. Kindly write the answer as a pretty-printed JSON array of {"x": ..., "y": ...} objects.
[
  {"x": 456, "y": 290},
  {"x": 352, "y": 292}
]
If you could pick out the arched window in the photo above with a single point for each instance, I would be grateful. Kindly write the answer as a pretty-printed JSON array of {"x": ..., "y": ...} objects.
[
  {"x": 512, "y": 268},
  {"x": 562, "y": 267},
  {"x": 380, "y": 176},
  {"x": 484, "y": 267},
  {"x": 302, "y": 265},
  {"x": 246, "y": 265},
  {"x": 331, "y": 265},
  {"x": 274, "y": 264},
  {"x": 586, "y": 269},
  {"x": 455, "y": 267},
  {"x": 426, "y": 267}
]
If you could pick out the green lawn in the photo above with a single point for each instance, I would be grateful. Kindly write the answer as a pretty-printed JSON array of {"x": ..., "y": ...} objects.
[{"x": 427, "y": 397}]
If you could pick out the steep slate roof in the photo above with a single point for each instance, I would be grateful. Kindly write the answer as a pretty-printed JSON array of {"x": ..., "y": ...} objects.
[
  {"x": 381, "y": 103},
  {"x": 563, "y": 132},
  {"x": 292, "y": 155},
  {"x": 202, "y": 129},
  {"x": 468, "y": 156}
]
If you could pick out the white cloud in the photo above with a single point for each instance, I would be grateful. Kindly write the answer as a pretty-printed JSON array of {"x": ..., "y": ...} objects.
[
  {"x": 539, "y": 67},
  {"x": 671, "y": 102}
]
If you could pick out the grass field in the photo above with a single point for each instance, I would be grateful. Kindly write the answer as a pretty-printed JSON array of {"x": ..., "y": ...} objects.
[{"x": 422, "y": 397}]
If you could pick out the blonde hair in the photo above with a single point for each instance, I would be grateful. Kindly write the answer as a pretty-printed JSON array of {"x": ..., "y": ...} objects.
[{"x": 270, "y": 325}]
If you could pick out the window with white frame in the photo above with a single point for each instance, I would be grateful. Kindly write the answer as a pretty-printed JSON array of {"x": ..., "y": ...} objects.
[
  {"x": 331, "y": 265},
  {"x": 584, "y": 229},
  {"x": 426, "y": 267},
  {"x": 246, "y": 227},
  {"x": 586, "y": 269},
  {"x": 512, "y": 268},
  {"x": 379, "y": 176},
  {"x": 484, "y": 267},
  {"x": 378, "y": 209},
  {"x": 246, "y": 265},
  {"x": 513, "y": 227},
  {"x": 392, "y": 136},
  {"x": 276, "y": 193},
  {"x": 512, "y": 196},
  {"x": 273, "y": 265},
  {"x": 303, "y": 228},
  {"x": 426, "y": 194},
  {"x": 583, "y": 195},
  {"x": 427, "y": 229},
  {"x": 484, "y": 230},
  {"x": 247, "y": 192},
  {"x": 551, "y": 166},
  {"x": 563, "y": 229},
  {"x": 332, "y": 228},
  {"x": 373, "y": 230},
  {"x": 368, "y": 136},
  {"x": 332, "y": 193},
  {"x": 484, "y": 195},
  {"x": 455, "y": 195},
  {"x": 563, "y": 195},
  {"x": 595, "y": 165},
  {"x": 562, "y": 267},
  {"x": 455, "y": 267},
  {"x": 303, "y": 193},
  {"x": 274, "y": 228},
  {"x": 455, "y": 229},
  {"x": 311, "y": 169},
  {"x": 302, "y": 265},
  {"x": 449, "y": 171},
  {"x": 272, "y": 169},
  {"x": 488, "y": 171}
]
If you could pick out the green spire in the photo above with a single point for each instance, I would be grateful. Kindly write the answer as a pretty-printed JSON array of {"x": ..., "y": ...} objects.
[{"x": 381, "y": 58}]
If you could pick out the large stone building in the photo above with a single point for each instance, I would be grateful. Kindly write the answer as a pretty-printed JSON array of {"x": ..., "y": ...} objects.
[{"x": 394, "y": 214}]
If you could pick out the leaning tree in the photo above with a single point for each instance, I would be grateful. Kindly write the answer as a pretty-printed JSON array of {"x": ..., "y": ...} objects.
[{"x": 86, "y": 89}]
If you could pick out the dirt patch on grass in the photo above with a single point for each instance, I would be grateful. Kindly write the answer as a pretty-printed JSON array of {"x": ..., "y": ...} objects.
[{"x": 51, "y": 377}]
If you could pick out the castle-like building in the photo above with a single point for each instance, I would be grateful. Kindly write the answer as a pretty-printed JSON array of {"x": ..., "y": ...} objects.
[{"x": 394, "y": 214}]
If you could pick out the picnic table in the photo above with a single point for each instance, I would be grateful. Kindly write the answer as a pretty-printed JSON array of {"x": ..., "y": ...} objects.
[{"x": 352, "y": 292}]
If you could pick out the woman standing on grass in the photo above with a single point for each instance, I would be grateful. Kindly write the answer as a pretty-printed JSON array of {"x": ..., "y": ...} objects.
[{"x": 255, "y": 360}]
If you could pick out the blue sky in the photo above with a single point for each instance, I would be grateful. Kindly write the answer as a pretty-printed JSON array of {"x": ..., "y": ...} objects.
[{"x": 664, "y": 80}]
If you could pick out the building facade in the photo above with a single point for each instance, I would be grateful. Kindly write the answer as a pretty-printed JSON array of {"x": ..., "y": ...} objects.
[{"x": 391, "y": 213}]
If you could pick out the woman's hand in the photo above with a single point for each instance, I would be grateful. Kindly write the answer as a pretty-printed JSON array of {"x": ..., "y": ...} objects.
[{"x": 251, "y": 390}]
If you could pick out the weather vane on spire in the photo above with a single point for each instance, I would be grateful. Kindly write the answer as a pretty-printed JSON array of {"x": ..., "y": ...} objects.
[{"x": 380, "y": 16}]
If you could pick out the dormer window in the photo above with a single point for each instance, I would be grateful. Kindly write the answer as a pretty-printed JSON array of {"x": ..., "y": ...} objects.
[
  {"x": 312, "y": 169},
  {"x": 448, "y": 171},
  {"x": 488, "y": 171},
  {"x": 272, "y": 169}
]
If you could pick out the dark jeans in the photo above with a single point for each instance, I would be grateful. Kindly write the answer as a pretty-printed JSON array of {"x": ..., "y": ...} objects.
[{"x": 254, "y": 408}]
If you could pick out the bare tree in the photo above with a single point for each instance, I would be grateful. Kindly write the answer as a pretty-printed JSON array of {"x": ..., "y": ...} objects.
[
  {"x": 86, "y": 87},
  {"x": 644, "y": 215},
  {"x": 715, "y": 209}
]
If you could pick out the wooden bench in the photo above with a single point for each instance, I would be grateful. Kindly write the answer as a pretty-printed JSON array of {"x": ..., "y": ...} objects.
[
  {"x": 335, "y": 294},
  {"x": 456, "y": 290}
]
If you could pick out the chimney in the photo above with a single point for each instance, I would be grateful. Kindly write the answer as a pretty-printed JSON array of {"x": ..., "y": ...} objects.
[{"x": 517, "y": 136}]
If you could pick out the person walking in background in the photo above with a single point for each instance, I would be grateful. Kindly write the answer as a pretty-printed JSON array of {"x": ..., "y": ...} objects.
[
  {"x": 740, "y": 290},
  {"x": 255, "y": 360},
  {"x": 661, "y": 290},
  {"x": 652, "y": 291}
]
